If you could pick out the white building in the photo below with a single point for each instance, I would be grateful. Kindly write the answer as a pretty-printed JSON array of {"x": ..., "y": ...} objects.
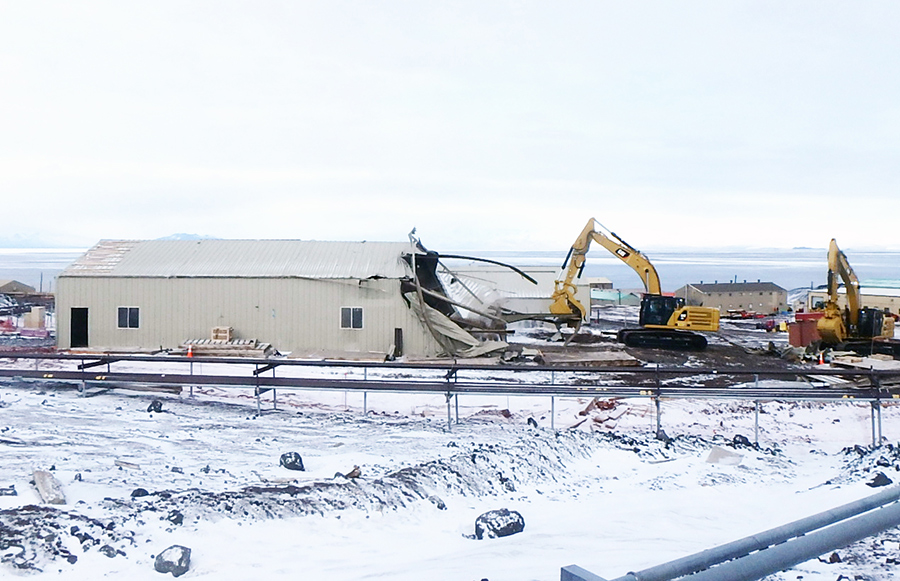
[{"x": 307, "y": 298}]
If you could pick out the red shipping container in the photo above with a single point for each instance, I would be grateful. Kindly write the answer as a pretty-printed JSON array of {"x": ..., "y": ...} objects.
[{"x": 803, "y": 332}]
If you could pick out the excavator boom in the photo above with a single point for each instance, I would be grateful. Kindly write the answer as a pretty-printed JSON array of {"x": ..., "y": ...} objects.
[
  {"x": 564, "y": 300},
  {"x": 837, "y": 326}
]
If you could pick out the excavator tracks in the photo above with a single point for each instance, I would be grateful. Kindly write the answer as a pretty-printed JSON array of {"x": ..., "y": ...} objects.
[{"x": 662, "y": 339}]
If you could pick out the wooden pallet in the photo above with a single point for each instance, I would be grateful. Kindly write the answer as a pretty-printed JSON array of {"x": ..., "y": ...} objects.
[{"x": 227, "y": 348}]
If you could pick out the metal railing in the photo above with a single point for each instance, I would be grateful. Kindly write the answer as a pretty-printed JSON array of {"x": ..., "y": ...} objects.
[{"x": 456, "y": 378}]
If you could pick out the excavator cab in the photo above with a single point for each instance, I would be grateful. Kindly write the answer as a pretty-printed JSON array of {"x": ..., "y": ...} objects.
[
  {"x": 667, "y": 323},
  {"x": 874, "y": 323},
  {"x": 658, "y": 309}
]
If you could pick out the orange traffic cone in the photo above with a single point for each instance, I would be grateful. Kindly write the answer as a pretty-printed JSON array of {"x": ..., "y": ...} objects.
[
  {"x": 190, "y": 352},
  {"x": 821, "y": 358}
]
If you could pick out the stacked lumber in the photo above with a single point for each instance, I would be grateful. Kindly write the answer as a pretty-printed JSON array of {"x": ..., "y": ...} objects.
[
  {"x": 222, "y": 333},
  {"x": 227, "y": 348},
  {"x": 589, "y": 359}
]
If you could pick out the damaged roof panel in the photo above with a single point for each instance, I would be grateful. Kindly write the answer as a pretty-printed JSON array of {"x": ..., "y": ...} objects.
[{"x": 243, "y": 258}]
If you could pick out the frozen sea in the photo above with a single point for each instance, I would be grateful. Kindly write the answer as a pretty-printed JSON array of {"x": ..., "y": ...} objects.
[{"x": 788, "y": 268}]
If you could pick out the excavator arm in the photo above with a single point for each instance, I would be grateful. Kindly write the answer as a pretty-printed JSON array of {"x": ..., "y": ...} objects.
[
  {"x": 564, "y": 301},
  {"x": 835, "y": 326},
  {"x": 854, "y": 322}
]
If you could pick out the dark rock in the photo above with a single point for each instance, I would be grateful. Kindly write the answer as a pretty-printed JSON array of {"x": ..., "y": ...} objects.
[
  {"x": 139, "y": 492},
  {"x": 438, "y": 502},
  {"x": 880, "y": 480},
  {"x": 205, "y": 469},
  {"x": 155, "y": 406},
  {"x": 532, "y": 422},
  {"x": 175, "y": 517},
  {"x": 108, "y": 551},
  {"x": 834, "y": 558},
  {"x": 740, "y": 441},
  {"x": 9, "y": 491},
  {"x": 858, "y": 450},
  {"x": 177, "y": 470},
  {"x": 175, "y": 560},
  {"x": 292, "y": 461},
  {"x": 499, "y": 523}
]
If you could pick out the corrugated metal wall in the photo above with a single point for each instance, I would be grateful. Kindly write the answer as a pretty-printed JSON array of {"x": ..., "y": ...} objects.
[{"x": 296, "y": 315}]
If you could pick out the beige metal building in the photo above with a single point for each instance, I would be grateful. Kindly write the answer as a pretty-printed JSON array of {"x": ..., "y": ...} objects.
[
  {"x": 303, "y": 297},
  {"x": 758, "y": 297},
  {"x": 869, "y": 296}
]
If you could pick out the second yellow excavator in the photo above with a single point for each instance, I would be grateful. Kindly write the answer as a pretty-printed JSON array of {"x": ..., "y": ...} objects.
[
  {"x": 854, "y": 323},
  {"x": 665, "y": 320}
]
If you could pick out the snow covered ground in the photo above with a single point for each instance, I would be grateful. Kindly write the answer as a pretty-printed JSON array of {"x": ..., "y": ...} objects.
[{"x": 605, "y": 495}]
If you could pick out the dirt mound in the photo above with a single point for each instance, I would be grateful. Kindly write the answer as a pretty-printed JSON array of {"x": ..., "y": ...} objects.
[
  {"x": 864, "y": 463},
  {"x": 32, "y": 537}
]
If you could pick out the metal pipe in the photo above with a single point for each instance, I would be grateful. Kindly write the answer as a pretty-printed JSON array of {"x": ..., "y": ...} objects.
[
  {"x": 658, "y": 416},
  {"x": 800, "y": 549},
  {"x": 553, "y": 413},
  {"x": 872, "y": 409},
  {"x": 756, "y": 425},
  {"x": 449, "y": 422},
  {"x": 757, "y": 542},
  {"x": 880, "y": 434}
]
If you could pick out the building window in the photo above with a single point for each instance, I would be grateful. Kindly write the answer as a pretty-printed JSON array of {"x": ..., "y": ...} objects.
[
  {"x": 129, "y": 317},
  {"x": 351, "y": 318}
]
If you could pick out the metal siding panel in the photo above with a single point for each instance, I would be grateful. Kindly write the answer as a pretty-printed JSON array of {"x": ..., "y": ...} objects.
[{"x": 307, "y": 312}]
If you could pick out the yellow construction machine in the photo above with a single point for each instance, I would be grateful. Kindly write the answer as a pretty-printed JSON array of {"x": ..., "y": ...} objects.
[
  {"x": 853, "y": 323},
  {"x": 665, "y": 320}
]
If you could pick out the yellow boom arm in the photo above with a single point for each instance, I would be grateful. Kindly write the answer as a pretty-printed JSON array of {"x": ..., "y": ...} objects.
[
  {"x": 832, "y": 326},
  {"x": 564, "y": 301}
]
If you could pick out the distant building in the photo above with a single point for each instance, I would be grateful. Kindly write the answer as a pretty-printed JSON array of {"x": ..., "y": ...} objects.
[
  {"x": 599, "y": 283},
  {"x": 14, "y": 287},
  {"x": 758, "y": 297},
  {"x": 608, "y": 298},
  {"x": 304, "y": 297},
  {"x": 605, "y": 298},
  {"x": 485, "y": 286},
  {"x": 870, "y": 296}
]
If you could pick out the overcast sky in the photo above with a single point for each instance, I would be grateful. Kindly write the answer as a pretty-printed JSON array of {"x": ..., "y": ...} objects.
[{"x": 485, "y": 125}]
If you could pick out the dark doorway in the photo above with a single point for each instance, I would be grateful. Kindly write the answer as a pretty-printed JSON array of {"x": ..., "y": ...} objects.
[
  {"x": 79, "y": 327},
  {"x": 398, "y": 343}
]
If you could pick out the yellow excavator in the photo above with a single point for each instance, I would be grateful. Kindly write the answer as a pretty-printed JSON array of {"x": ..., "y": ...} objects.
[
  {"x": 665, "y": 320},
  {"x": 837, "y": 326}
]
